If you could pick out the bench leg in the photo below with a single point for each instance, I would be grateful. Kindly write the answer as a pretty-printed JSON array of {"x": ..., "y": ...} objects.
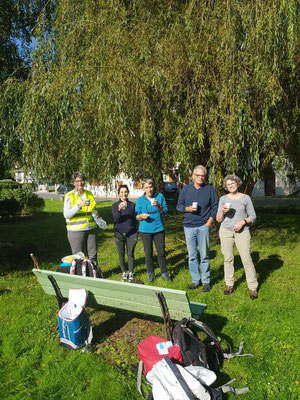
[
  {"x": 59, "y": 297},
  {"x": 165, "y": 314}
]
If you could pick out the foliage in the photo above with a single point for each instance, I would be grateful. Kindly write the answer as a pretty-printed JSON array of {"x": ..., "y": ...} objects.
[
  {"x": 136, "y": 86},
  {"x": 20, "y": 200},
  {"x": 9, "y": 184},
  {"x": 18, "y": 18},
  {"x": 34, "y": 365}
]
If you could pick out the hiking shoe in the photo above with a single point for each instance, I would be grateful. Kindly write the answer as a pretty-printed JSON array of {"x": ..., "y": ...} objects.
[
  {"x": 253, "y": 294},
  {"x": 165, "y": 276},
  {"x": 150, "y": 278},
  {"x": 205, "y": 287},
  {"x": 194, "y": 285},
  {"x": 124, "y": 276},
  {"x": 229, "y": 290},
  {"x": 130, "y": 276}
]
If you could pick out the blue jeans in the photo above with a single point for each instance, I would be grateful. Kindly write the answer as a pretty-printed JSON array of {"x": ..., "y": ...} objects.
[{"x": 198, "y": 236}]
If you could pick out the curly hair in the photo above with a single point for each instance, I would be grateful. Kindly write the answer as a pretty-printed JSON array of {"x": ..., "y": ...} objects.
[
  {"x": 78, "y": 174},
  {"x": 234, "y": 178}
]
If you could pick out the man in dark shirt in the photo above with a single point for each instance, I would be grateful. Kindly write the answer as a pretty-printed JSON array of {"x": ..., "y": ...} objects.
[{"x": 199, "y": 203}]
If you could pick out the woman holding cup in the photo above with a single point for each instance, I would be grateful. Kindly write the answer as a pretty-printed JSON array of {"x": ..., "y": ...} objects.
[
  {"x": 81, "y": 226},
  {"x": 236, "y": 213},
  {"x": 125, "y": 231},
  {"x": 149, "y": 210}
]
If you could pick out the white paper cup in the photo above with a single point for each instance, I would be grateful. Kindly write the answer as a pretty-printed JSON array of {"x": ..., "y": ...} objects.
[
  {"x": 195, "y": 204},
  {"x": 152, "y": 200},
  {"x": 228, "y": 206}
]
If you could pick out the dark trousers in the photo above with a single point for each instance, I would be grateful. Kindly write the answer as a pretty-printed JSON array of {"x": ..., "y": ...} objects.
[
  {"x": 79, "y": 240},
  {"x": 130, "y": 243},
  {"x": 159, "y": 241}
]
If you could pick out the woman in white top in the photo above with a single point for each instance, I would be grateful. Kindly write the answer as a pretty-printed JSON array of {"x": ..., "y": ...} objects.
[{"x": 236, "y": 213}]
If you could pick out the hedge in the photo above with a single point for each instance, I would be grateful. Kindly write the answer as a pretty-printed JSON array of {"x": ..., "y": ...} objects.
[{"x": 19, "y": 201}]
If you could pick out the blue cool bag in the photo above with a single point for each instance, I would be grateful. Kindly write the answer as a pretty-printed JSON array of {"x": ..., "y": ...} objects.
[{"x": 74, "y": 324}]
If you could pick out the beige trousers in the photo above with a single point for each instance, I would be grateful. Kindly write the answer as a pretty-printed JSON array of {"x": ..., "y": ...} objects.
[{"x": 242, "y": 240}]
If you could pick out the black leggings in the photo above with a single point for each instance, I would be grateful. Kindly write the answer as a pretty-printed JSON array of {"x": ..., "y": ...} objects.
[
  {"x": 130, "y": 242},
  {"x": 159, "y": 241}
]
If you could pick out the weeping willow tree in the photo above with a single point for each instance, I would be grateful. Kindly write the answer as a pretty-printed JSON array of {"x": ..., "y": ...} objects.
[{"x": 138, "y": 85}]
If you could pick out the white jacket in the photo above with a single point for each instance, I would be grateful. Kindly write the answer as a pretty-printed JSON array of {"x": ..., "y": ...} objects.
[{"x": 165, "y": 385}]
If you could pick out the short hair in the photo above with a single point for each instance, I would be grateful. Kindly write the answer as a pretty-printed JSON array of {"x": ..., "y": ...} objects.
[
  {"x": 148, "y": 181},
  {"x": 200, "y": 167},
  {"x": 122, "y": 187},
  {"x": 78, "y": 174},
  {"x": 234, "y": 178}
]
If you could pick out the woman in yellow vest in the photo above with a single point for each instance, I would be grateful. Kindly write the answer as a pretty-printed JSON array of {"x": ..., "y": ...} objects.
[{"x": 81, "y": 227}]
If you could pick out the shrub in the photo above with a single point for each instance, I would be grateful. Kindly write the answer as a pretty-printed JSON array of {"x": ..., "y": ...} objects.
[
  {"x": 21, "y": 200},
  {"x": 8, "y": 184}
]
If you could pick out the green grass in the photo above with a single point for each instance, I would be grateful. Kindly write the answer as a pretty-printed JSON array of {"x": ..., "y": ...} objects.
[{"x": 34, "y": 366}]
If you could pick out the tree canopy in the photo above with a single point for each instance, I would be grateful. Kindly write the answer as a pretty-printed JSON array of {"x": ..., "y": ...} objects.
[{"x": 139, "y": 85}]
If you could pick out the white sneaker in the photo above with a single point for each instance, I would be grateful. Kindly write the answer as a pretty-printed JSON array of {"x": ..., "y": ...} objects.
[
  {"x": 124, "y": 276},
  {"x": 130, "y": 278}
]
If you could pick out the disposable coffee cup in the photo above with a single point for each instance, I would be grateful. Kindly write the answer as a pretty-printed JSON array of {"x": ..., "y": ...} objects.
[
  {"x": 195, "y": 204},
  {"x": 124, "y": 204},
  {"x": 152, "y": 200},
  {"x": 87, "y": 202},
  {"x": 228, "y": 206}
]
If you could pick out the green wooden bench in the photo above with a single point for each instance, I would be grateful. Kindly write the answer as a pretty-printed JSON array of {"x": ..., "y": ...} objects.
[{"x": 124, "y": 295}]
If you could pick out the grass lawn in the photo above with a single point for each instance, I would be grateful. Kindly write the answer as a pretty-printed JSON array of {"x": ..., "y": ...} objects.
[{"x": 34, "y": 366}]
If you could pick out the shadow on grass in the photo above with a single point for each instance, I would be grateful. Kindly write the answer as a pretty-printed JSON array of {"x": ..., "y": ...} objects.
[
  {"x": 266, "y": 266},
  {"x": 4, "y": 291},
  {"x": 104, "y": 329},
  {"x": 180, "y": 261},
  {"x": 263, "y": 268}
]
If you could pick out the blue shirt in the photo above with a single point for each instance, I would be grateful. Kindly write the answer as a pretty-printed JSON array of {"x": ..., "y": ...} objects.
[
  {"x": 207, "y": 200},
  {"x": 154, "y": 223}
]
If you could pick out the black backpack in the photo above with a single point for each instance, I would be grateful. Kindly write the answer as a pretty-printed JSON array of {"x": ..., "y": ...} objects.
[
  {"x": 206, "y": 352},
  {"x": 83, "y": 268}
]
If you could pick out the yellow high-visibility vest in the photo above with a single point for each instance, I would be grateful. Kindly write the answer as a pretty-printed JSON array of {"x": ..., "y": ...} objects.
[{"x": 83, "y": 217}]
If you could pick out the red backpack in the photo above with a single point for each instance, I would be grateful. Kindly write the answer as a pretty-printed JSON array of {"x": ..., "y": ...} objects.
[{"x": 149, "y": 354}]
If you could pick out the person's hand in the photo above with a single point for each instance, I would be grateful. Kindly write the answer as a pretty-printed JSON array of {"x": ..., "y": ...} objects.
[
  {"x": 224, "y": 209},
  {"x": 238, "y": 226},
  {"x": 121, "y": 206},
  {"x": 155, "y": 203},
  {"x": 144, "y": 216},
  {"x": 190, "y": 209},
  {"x": 84, "y": 203}
]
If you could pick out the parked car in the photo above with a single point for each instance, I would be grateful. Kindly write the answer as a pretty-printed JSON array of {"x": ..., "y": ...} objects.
[
  {"x": 171, "y": 190},
  {"x": 63, "y": 189}
]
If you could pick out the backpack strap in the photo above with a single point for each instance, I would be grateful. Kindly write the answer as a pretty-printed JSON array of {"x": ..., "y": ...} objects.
[
  {"x": 180, "y": 379},
  {"x": 139, "y": 378},
  {"x": 204, "y": 328},
  {"x": 226, "y": 388},
  {"x": 238, "y": 354}
]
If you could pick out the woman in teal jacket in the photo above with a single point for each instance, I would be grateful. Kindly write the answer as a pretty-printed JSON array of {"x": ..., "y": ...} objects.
[{"x": 149, "y": 210}]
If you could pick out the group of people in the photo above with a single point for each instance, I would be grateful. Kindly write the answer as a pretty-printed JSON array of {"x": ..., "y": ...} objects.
[{"x": 200, "y": 206}]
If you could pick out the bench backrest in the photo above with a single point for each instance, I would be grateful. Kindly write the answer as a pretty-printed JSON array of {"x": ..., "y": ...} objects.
[{"x": 123, "y": 295}]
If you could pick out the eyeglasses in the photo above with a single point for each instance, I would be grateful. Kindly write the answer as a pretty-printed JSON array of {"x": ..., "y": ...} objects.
[{"x": 231, "y": 184}]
